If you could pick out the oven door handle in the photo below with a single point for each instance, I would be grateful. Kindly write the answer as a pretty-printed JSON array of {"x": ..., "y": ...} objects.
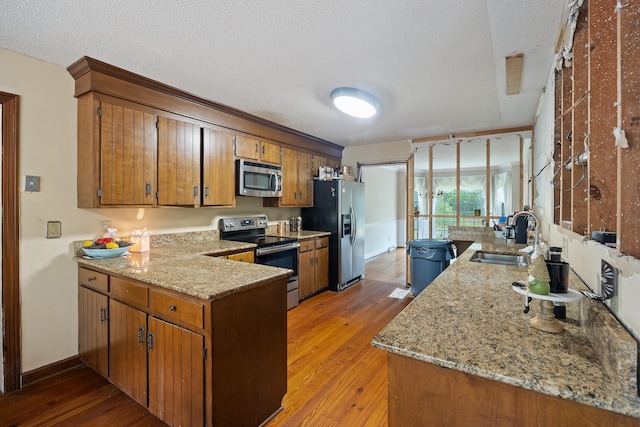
[{"x": 274, "y": 249}]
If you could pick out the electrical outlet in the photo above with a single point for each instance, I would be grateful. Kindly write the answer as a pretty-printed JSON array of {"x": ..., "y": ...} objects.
[
  {"x": 104, "y": 224},
  {"x": 53, "y": 229},
  {"x": 31, "y": 183}
]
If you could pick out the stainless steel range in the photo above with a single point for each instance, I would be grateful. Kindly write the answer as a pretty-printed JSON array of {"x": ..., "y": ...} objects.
[{"x": 276, "y": 251}]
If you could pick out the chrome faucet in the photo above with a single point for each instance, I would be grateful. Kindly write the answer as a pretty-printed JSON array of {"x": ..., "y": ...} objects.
[{"x": 536, "y": 239}]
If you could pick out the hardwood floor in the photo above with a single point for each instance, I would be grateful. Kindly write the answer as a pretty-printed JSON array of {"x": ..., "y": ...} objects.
[{"x": 335, "y": 376}]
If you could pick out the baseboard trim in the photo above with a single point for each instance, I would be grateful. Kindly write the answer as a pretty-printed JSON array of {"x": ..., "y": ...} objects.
[{"x": 50, "y": 370}]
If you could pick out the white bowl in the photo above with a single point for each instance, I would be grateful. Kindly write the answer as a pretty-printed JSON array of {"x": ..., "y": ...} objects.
[{"x": 105, "y": 253}]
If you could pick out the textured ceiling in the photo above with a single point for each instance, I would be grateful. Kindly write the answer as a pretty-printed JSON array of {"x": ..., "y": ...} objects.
[{"x": 437, "y": 66}]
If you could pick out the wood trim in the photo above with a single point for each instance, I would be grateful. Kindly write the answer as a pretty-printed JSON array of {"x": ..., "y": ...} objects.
[
  {"x": 50, "y": 370},
  {"x": 472, "y": 134},
  {"x": 94, "y": 75},
  {"x": 11, "y": 352}
]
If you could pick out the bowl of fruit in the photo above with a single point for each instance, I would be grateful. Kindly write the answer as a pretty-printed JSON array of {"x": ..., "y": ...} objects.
[{"x": 105, "y": 247}]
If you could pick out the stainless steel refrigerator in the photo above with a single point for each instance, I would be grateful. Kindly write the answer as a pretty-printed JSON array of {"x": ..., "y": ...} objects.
[{"x": 338, "y": 207}]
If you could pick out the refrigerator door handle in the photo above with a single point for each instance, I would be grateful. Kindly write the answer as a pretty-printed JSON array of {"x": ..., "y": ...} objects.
[{"x": 354, "y": 224}]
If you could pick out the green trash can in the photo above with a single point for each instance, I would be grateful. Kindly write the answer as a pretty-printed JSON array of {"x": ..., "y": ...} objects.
[{"x": 428, "y": 258}]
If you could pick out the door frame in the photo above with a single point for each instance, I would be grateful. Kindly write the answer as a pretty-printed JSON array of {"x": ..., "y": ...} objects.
[
  {"x": 409, "y": 215},
  {"x": 10, "y": 243}
]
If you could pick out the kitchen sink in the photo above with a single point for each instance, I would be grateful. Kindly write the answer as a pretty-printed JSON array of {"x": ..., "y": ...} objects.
[{"x": 503, "y": 259}]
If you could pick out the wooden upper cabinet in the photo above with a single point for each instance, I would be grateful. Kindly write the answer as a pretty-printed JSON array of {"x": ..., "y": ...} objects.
[
  {"x": 297, "y": 179},
  {"x": 305, "y": 179},
  {"x": 257, "y": 149},
  {"x": 289, "y": 177},
  {"x": 178, "y": 163},
  {"x": 218, "y": 170},
  {"x": 117, "y": 160}
]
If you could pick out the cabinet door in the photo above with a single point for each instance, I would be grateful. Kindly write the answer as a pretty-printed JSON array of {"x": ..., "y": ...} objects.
[
  {"x": 321, "y": 269},
  {"x": 128, "y": 351},
  {"x": 305, "y": 179},
  {"x": 306, "y": 273},
  {"x": 289, "y": 177},
  {"x": 178, "y": 163},
  {"x": 248, "y": 256},
  {"x": 127, "y": 156},
  {"x": 270, "y": 153},
  {"x": 176, "y": 374},
  {"x": 93, "y": 329},
  {"x": 247, "y": 148},
  {"x": 218, "y": 180}
]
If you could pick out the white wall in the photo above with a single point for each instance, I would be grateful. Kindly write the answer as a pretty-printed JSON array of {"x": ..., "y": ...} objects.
[
  {"x": 48, "y": 276},
  {"x": 381, "y": 210},
  {"x": 584, "y": 256}
]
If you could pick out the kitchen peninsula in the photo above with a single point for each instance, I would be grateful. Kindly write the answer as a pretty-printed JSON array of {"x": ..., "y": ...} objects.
[
  {"x": 206, "y": 336},
  {"x": 463, "y": 353}
]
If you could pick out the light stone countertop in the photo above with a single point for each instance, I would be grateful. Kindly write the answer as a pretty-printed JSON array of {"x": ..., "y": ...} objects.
[
  {"x": 184, "y": 266},
  {"x": 469, "y": 319},
  {"x": 302, "y": 235}
]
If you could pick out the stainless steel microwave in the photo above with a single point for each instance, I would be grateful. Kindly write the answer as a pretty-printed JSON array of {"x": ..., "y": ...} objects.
[{"x": 258, "y": 179}]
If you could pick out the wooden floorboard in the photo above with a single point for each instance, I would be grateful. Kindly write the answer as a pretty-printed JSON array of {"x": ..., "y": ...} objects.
[{"x": 335, "y": 376}]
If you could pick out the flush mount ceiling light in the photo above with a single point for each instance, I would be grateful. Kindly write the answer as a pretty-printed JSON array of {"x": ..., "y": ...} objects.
[{"x": 355, "y": 102}]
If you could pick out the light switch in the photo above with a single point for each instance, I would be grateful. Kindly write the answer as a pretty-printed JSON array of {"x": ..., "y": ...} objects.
[
  {"x": 32, "y": 183},
  {"x": 53, "y": 229}
]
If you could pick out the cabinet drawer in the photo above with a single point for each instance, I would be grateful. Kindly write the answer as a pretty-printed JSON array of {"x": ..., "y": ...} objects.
[
  {"x": 177, "y": 308},
  {"x": 93, "y": 279},
  {"x": 129, "y": 292},
  {"x": 242, "y": 256},
  {"x": 322, "y": 242},
  {"x": 307, "y": 245}
]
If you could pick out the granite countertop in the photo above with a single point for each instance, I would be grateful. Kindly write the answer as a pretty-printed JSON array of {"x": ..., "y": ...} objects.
[
  {"x": 184, "y": 266},
  {"x": 303, "y": 235},
  {"x": 469, "y": 319}
]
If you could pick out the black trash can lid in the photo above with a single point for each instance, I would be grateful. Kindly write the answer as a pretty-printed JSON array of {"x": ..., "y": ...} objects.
[{"x": 429, "y": 243}]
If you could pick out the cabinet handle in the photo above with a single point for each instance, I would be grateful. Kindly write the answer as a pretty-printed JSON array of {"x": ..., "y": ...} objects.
[
  {"x": 257, "y": 151},
  {"x": 150, "y": 341},
  {"x": 301, "y": 195},
  {"x": 103, "y": 314},
  {"x": 140, "y": 335},
  {"x": 206, "y": 191},
  {"x": 195, "y": 190},
  {"x": 91, "y": 279},
  {"x": 311, "y": 261},
  {"x": 316, "y": 260},
  {"x": 148, "y": 189},
  {"x": 263, "y": 149},
  {"x": 172, "y": 308}
]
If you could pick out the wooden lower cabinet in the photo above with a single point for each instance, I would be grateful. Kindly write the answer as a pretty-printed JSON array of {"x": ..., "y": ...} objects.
[
  {"x": 313, "y": 266},
  {"x": 176, "y": 374},
  {"x": 191, "y": 362},
  {"x": 93, "y": 329},
  {"x": 128, "y": 350},
  {"x": 423, "y": 394},
  {"x": 248, "y": 256}
]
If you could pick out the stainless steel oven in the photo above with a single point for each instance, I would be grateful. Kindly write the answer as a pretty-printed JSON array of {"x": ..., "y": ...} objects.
[{"x": 276, "y": 251}]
